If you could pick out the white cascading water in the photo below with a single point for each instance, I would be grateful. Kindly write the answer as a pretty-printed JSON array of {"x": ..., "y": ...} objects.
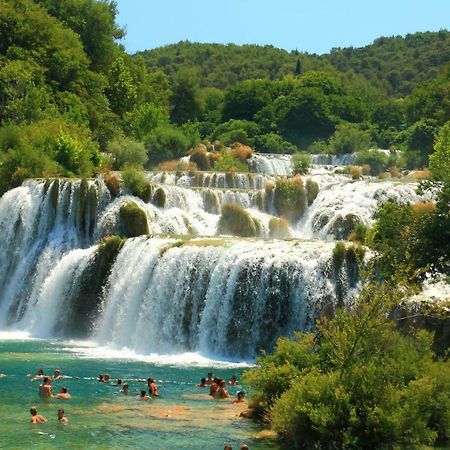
[
  {"x": 270, "y": 164},
  {"x": 340, "y": 199},
  {"x": 227, "y": 299},
  {"x": 217, "y": 296},
  {"x": 40, "y": 221}
]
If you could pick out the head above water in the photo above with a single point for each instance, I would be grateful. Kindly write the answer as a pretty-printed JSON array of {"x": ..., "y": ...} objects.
[
  {"x": 47, "y": 380},
  {"x": 40, "y": 372},
  {"x": 100, "y": 377},
  {"x": 203, "y": 380},
  {"x": 119, "y": 381},
  {"x": 60, "y": 413},
  {"x": 63, "y": 390},
  {"x": 57, "y": 372},
  {"x": 33, "y": 410},
  {"x": 244, "y": 447},
  {"x": 143, "y": 393},
  {"x": 150, "y": 380},
  {"x": 210, "y": 374}
]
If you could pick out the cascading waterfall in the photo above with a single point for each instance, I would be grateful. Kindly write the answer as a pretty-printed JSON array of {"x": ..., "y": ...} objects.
[
  {"x": 218, "y": 296},
  {"x": 164, "y": 297},
  {"x": 270, "y": 164}
]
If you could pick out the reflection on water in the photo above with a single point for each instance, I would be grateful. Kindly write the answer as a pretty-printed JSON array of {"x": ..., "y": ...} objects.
[{"x": 100, "y": 417}]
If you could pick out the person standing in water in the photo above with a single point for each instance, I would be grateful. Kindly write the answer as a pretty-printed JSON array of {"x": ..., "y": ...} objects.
[
  {"x": 62, "y": 418},
  {"x": 152, "y": 387},
  {"x": 45, "y": 389},
  {"x": 63, "y": 394},
  {"x": 35, "y": 417}
]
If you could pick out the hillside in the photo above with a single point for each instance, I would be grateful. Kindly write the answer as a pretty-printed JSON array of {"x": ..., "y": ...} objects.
[{"x": 393, "y": 64}]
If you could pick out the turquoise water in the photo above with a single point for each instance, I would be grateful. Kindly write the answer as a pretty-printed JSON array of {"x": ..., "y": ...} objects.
[{"x": 100, "y": 417}]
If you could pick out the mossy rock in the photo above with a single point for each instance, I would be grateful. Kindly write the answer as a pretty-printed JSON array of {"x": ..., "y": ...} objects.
[
  {"x": 211, "y": 202},
  {"x": 290, "y": 198},
  {"x": 279, "y": 228},
  {"x": 236, "y": 221},
  {"x": 159, "y": 198},
  {"x": 343, "y": 227},
  {"x": 261, "y": 200},
  {"x": 133, "y": 220},
  {"x": 312, "y": 190}
]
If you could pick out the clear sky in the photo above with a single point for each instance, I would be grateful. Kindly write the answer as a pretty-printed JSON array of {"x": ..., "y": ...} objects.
[{"x": 314, "y": 26}]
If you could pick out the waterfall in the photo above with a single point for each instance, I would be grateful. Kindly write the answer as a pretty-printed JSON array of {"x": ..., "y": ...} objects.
[
  {"x": 226, "y": 298},
  {"x": 270, "y": 164},
  {"x": 343, "y": 203},
  {"x": 40, "y": 221}
]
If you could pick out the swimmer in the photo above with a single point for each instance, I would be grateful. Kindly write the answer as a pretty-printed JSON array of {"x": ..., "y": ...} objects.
[
  {"x": 143, "y": 396},
  {"x": 233, "y": 381},
  {"x": 57, "y": 375},
  {"x": 214, "y": 386},
  {"x": 240, "y": 397},
  {"x": 221, "y": 392},
  {"x": 228, "y": 447},
  {"x": 202, "y": 383},
  {"x": 62, "y": 418},
  {"x": 125, "y": 389},
  {"x": 45, "y": 389},
  {"x": 63, "y": 394},
  {"x": 35, "y": 417},
  {"x": 152, "y": 388},
  {"x": 39, "y": 375},
  {"x": 244, "y": 447},
  {"x": 100, "y": 378},
  {"x": 106, "y": 378},
  {"x": 119, "y": 382},
  {"x": 2, "y": 375},
  {"x": 209, "y": 379}
]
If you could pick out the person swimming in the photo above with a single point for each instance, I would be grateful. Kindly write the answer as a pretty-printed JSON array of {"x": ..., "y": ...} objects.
[
  {"x": 39, "y": 375},
  {"x": 106, "y": 378},
  {"x": 125, "y": 389},
  {"x": 221, "y": 392},
  {"x": 45, "y": 389},
  {"x": 152, "y": 387},
  {"x": 233, "y": 381},
  {"x": 143, "y": 395},
  {"x": 202, "y": 383},
  {"x": 214, "y": 386},
  {"x": 119, "y": 382},
  {"x": 100, "y": 377},
  {"x": 35, "y": 417},
  {"x": 209, "y": 378},
  {"x": 63, "y": 394},
  {"x": 62, "y": 418},
  {"x": 57, "y": 375},
  {"x": 240, "y": 397}
]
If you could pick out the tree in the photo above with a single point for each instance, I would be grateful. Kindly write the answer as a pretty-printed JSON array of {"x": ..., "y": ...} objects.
[
  {"x": 298, "y": 67},
  {"x": 126, "y": 151},
  {"x": 186, "y": 98},
  {"x": 121, "y": 90},
  {"x": 165, "y": 143},
  {"x": 349, "y": 138}
]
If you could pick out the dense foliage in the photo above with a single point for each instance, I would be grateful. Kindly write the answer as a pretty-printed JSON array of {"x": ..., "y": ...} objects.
[{"x": 355, "y": 383}]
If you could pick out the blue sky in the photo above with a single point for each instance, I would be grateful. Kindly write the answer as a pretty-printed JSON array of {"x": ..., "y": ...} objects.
[{"x": 314, "y": 26}]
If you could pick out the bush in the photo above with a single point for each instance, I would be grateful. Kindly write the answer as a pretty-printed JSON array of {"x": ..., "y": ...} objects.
[
  {"x": 355, "y": 383},
  {"x": 133, "y": 220},
  {"x": 126, "y": 151},
  {"x": 241, "y": 152},
  {"x": 273, "y": 143},
  {"x": 228, "y": 163},
  {"x": 112, "y": 181},
  {"x": 290, "y": 198},
  {"x": 377, "y": 161},
  {"x": 279, "y": 228},
  {"x": 200, "y": 157},
  {"x": 349, "y": 138},
  {"x": 166, "y": 143},
  {"x": 136, "y": 183},
  {"x": 356, "y": 172},
  {"x": 300, "y": 163},
  {"x": 236, "y": 221}
]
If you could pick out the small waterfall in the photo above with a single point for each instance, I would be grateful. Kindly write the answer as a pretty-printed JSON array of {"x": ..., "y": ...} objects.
[
  {"x": 341, "y": 204},
  {"x": 226, "y": 298},
  {"x": 270, "y": 164},
  {"x": 212, "y": 180},
  {"x": 323, "y": 159}
]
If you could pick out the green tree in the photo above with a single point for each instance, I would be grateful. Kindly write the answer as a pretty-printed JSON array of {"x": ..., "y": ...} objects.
[
  {"x": 121, "y": 90},
  {"x": 186, "y": 98},
  {"x": 166, "y": 143},
  {"x": 349, "y": 138},
  {"x": 126, "y": 151}
]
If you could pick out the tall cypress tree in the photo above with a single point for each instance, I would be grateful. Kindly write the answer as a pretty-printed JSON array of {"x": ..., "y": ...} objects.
[{"x": 298, "y": 67}]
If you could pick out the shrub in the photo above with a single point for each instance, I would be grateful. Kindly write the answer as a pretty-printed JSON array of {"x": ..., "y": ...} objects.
[
  {"x": 166, "y": 142},
  {"x": 289, "y": 198},
  {"x": 348, "y": 138},
  {"x": 377, "y": 161},
  {"x": 175, "y": 165},
  {"x": 126, "y": 151},
  {"x": 365, "y": 169},
  {"x": 355, "y": 383},
  {"x": 133, "y": 220},
  {"x": 112, "y": 181},
  {"x": 339, "y": 252},
  {"x": 241, "y": 152},
  {"x": 228, "y": 163},
  {"x": 312, "y": 190},
  {"x": 136, "y": 183},
  {"x": 395, "y": 172},
  {"x": 355, "y": 172},
  {"x": 300, "y": 163},
  {"x": 279, "y": 228},
  {"x": 358, "y": 234},
  {"x": 200, "y": 157},
  {"x": 236, "y": 221},
  {"x": 273, "y": 143}
]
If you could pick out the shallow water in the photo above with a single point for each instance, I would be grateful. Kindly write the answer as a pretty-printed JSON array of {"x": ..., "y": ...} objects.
[{"x": 100, "y": 417}]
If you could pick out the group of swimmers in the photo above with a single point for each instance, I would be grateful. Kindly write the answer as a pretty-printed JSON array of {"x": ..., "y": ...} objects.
[{"x": 217, "y": 387}]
